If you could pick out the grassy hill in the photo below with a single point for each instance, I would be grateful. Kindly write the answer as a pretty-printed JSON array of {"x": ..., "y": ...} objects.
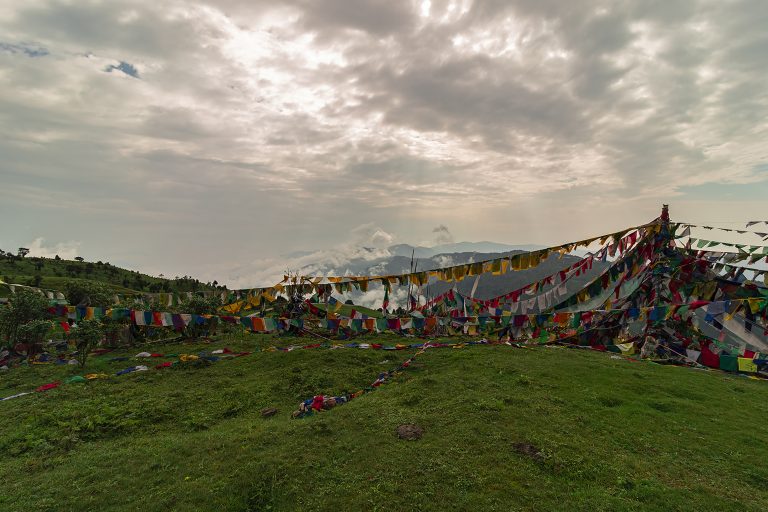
[
  {"x": 346, "y": 310},
  {"x": 504, "y": 429},
  {"x": 52, "y": 274}
]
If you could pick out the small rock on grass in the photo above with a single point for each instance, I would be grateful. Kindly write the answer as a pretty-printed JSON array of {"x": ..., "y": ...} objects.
[{"x": 269, "y": 411}]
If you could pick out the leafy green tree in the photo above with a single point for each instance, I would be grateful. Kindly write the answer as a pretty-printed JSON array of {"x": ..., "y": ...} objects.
[
  {"x": 87, "y": 336},
  {"x": 87, "y": 294},
  {"x": 23, "y": 307},
  {"x": 32, "y": 334},
  {"x": 201, "y": 306},
  {"x": 113, "y": 329}
]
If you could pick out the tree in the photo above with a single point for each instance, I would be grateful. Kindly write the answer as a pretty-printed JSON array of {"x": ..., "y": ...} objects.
[
  {"x": 87, "y": 336},
  {"x": 114, "y": 327},
  {"x": 57, "y": 258},
  {"x": 23, "y": 251},
  {"x": 201, "y": 306},
  {"x": 79, "y": 258},
  {"x": 23, "y": 307},
  {"x": 32, "y": 334},
  {"x": 85, "y": 293}
]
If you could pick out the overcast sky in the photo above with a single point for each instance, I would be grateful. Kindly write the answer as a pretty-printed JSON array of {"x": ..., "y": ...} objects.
[{"x": 210, "y": 138}]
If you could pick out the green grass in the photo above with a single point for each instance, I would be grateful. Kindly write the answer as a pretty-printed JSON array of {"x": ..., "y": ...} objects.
[
  {"x": 602, "y": 434},
  {"x": 346, "y": 310},
  {"x": 59, "y": 283}
]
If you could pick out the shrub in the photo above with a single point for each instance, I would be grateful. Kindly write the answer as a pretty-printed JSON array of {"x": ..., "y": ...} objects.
[
  {"x": 84, "y": 293},
  {"x": 33, "y": 333},
  {"x": 201, "y": 306},
  {"x": 23, "y": 307},
  {"x": 87, "y": 336}
]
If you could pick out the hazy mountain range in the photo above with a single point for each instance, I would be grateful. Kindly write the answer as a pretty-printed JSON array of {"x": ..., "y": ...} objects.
[{"x": 396, "y": 259}]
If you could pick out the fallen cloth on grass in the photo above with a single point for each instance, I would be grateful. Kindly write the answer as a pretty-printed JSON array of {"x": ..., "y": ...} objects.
[{"x": 50, "y": 385}]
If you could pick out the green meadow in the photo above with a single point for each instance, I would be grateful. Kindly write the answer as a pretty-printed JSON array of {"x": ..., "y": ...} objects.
[{"x": 504, "y": 428}]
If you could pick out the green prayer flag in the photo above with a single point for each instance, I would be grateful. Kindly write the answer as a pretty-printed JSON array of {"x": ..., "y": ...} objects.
[{"x": 729, "y": 363}]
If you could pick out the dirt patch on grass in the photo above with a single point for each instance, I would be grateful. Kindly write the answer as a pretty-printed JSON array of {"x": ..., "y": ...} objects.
[
  {"x": 529, "y": 450},
  {"x": 410, "y": 432}
]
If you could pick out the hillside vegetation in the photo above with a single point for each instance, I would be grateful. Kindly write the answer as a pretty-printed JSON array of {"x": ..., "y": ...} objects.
[
  {"x": 504, "y": 429},
  {"x": 52, "y": 273}
]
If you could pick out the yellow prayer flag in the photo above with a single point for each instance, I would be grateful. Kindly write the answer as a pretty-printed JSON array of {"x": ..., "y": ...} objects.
[
  {"x": 234, "y": 307},
  {"x": 525, "y": 261},
  {"x": 460, "y": 272},
  {"x": 747, "y": 365}
]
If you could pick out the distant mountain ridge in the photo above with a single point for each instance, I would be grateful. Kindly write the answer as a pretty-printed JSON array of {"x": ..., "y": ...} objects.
[{"x": 476, "y": 247}]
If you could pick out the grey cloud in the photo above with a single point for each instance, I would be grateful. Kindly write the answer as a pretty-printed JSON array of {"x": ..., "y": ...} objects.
[
  {"x": 377, "y": 17},
  {"x": 442, "y": 235},
  {"x": 290, "y": 124},
  {"x": 473, "y": 96}
]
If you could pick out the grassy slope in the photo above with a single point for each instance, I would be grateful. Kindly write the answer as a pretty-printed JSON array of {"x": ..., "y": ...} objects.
[
  {"x": 346, "y": 310},
  {"x": 55, "y": 273},
  {"x": 616, "y": 435}
]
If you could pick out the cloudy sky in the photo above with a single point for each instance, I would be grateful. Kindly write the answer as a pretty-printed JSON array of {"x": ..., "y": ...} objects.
[{"x": 210, "y": 138}]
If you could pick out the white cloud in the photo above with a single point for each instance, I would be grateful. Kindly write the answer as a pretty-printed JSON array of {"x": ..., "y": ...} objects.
[
  {"x": 65, "y": 250},
  {"x": 366, "y": 243}
]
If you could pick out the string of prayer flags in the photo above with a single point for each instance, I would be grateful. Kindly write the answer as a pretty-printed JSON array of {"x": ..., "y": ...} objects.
[{"x": 515, "y": 262}]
